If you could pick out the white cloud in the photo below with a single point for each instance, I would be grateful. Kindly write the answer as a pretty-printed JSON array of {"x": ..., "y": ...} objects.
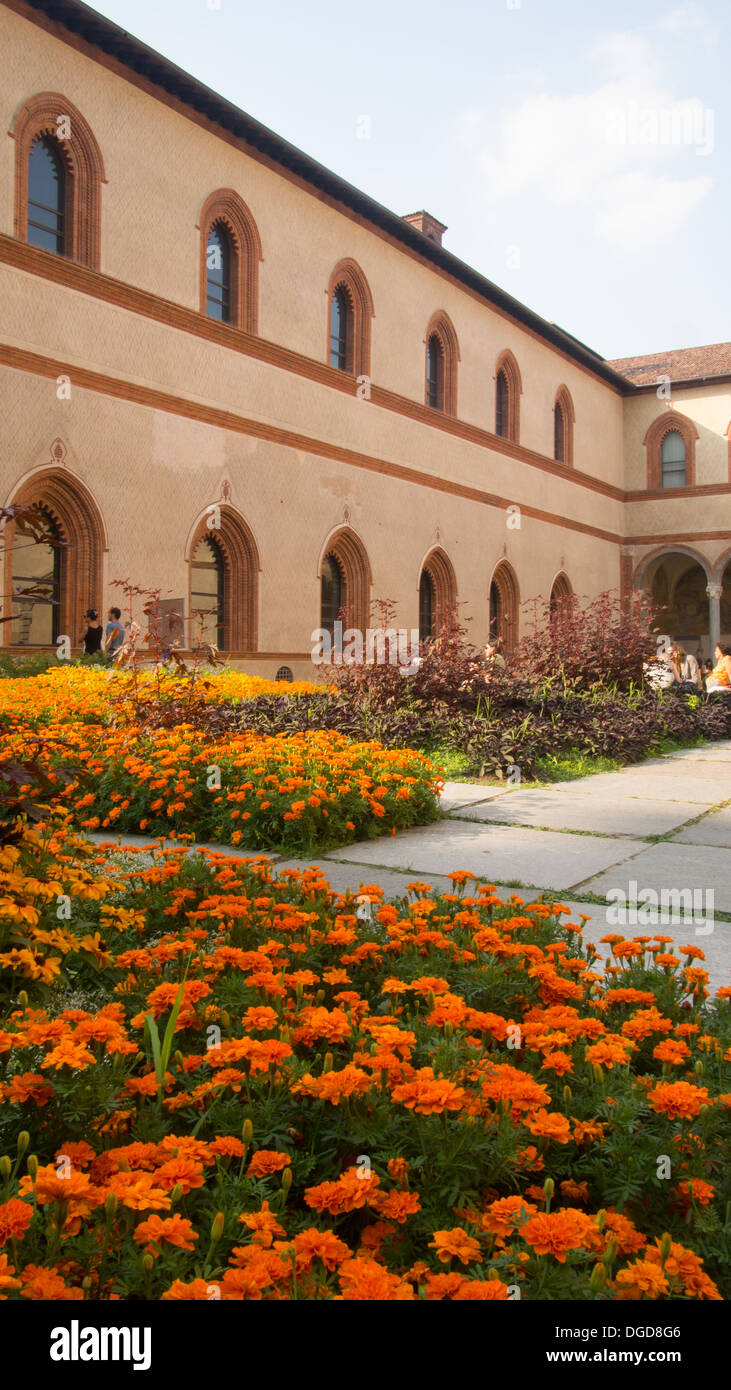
[{"x": 621, "y": 151}]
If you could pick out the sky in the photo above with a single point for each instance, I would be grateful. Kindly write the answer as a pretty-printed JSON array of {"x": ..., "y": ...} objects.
[{"x": 578, "y": 152}]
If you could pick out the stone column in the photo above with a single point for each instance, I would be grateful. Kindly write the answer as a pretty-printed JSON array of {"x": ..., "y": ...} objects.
[{"x": 714, "y": 614}]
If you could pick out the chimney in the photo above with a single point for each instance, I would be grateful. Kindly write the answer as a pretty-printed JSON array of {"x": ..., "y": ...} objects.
[{"x": 426, "y": 224}]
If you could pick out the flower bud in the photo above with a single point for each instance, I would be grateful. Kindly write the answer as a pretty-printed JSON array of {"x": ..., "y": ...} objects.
[
  {"x": 286, "y": 1178},
  {"x": 598, "y": 1278},
  {"x": 549, "y": 1187},
  {"x": 176, "y": 1194},
  {"x": 666, "y": 1245},
  {"x": 110, "y": 1206},
  {"x": 567, "y": 1094},
  {"x": 247, "y": 1131},
  {"x": 610, "y": 1254},
  {"x": 217, "y": 1226},
  {"x": 148, "y": 1264},
  {"x": 699, "y": 1067},
  {"x": 448, "y": 1030},
  {"x": 601, "y": 1219},
  {"x": 31, "y": 1164},
  {"x": 23, "y": 1142},
  {"x": 225, "y": 1020},
  {"x": 6, "y": 1167},
  {"x": 23, "y": 999},
  {"x": 86, "y": 1283},
  {"x": 328, "y": 1062},
  {"x": 179, "y": 1058}
]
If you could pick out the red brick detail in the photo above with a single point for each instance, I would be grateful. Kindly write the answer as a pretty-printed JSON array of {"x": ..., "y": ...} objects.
[
  {"x": 507, "y": 364},
  {"x": 350, "y": 555},
  {"x": 241, "y": 578},
  {"x": 348, "y": 276},
  {"x": 229, "y": 208},
  {"x": 440, "y": 326},
  {"x": 626, "y": 579},
  {"x": 84, "y": 173},
  {"x": 83, "y": 542},
  {"x": 664, "y": 424}
]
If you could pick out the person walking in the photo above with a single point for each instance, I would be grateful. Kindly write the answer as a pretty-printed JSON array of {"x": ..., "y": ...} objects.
[
  {"x": 94, "y": 633},
  {"x": 114, "y": 632}
]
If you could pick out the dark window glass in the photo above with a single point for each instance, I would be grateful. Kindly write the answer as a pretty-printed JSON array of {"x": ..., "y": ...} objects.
[
  {"x": 434, "y": 374},
  {"x": 36, "y": 587},
  {"x": 496, "y": 612},
  {"x": 673, "y": 459},
  {"x": 559, "y": 434},
  {"x": 340, "y": 330},
  {"x": 46, "y": 180},
  {"x": 284, "y": 674},
  {"x": 206, "y": 594},
  {"x": 502, "y": 406},
  {"x": 331, "y": 594},
  {"x": 218, "y": 272},
  {"x": 426, "y": 606}
]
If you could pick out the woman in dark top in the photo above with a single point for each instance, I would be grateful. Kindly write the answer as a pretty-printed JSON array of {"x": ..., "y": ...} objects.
[{"x": 93, "y": 634}]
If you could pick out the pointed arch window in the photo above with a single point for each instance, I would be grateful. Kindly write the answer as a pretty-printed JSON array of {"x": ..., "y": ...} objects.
[
  {"x": 341, "y": 330},
  {"x": 59, "y": 172},
  {"x": 46, "y": 196},
  {"x": 435, "y": 373},
  {"x": 426, "y": 606},
  {"x": 563, "y": 427},
  {"x": 218, "y": 270},
  {"x": 331, "y": 593},
  {"x": 508, "y": 387},
  {"x": 36, "y": 584},
  {"x": 672, "y": 459},
  {"x": 502, "y": 402},
  {"x": 207, "y": 590}
]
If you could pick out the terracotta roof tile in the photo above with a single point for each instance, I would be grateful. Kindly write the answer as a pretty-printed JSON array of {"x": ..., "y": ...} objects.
[{"x": 680, "y": 364}]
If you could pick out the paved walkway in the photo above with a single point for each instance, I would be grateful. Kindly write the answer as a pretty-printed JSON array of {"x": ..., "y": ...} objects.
[{"x": 662, "y": 826}]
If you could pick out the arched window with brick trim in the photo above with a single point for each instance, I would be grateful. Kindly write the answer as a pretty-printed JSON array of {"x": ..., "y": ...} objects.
[
  {"x": 52, "y": 581},
  {"x": 437, "y": 593},
  {"x": 561, "y": 595},
  {"x": 345, "y": 581},
  {"x": 349, "y": 314},
  {"x": 230, "y": 252},
  {"x": 670, "y": 445},
  {"x": 508, "y": 388},
  {"x": 504, "y": 606},
  {"x": 224, "y": 582},
  {"x": 563, "y": 427},
  {"x": 57, "y": 154},
  {"x": 442, "y": 356}
]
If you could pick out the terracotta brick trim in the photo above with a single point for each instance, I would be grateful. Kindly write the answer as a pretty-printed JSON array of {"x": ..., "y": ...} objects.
[
  {"x": 241, "y": 566},
  {"x": 349, "y": 553},
  {"x": 81, "y": 532},
  {"x": 441, "y": 572},
  {"x": 565, "y": 405},
  {"x": 665, "y": 424},
  {"x": 440, "y": 326},
  {"x": 227, "y": 207},
  {"x": 348, "y": 276},
  {"x": 508, "y": 365},
  {"x": 508, "y": 609},
  {"x": 84, "y": 166}
]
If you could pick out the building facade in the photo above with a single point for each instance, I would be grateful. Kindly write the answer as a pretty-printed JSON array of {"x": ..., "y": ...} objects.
[{"x": 228, "y": 375}]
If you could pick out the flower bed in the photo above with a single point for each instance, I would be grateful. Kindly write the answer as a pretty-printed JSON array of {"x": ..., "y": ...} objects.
[
  {"x": 445, "y": 1101},
  {"x": 113, "y": 770}
]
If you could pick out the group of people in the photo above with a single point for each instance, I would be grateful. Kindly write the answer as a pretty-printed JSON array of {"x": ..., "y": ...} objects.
[
  {"x": 679, "y": 670},
  {"x": 107, "y": 639}
]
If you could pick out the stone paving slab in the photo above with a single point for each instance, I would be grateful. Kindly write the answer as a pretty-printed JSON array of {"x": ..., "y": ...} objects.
[
  {"x": 671, "y": 865},
  {"x": 540, "y": 858},
  {"x": 457, "y": 794},
  {"x": 714, "y": 829},
  {"x": 564, "y": 810},
  {"x": 714, "y": 752},
  {"x": 649, "y": 786},
  {"x": 707, "y": 769}
]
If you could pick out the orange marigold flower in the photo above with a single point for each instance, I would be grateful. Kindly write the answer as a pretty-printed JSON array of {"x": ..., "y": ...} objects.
[
  {"x": 349, "y": 1192},
  {"x": 429, "y": 1095},
  {"x": 555, "y": 1233},
  {"x": 170, "y": 1230},
  {"x": 366, "y": 1280},
  {"x": 506, "y": 1214},
  {"x": 486, "y": 1290},
  {"x": 15, "y": 1218},
  {"x": 640, "y": 1278},
  {"x": 264, "y": 1224},
  {"x": 679, "y": 1100},
  {"x": 312, "y": 1245},
  {"x": 550, "y": 1125},
  {"x": 397, "y": 1206},
  {"x": 267, "y": 1161},
  {"x": 455, "y": 1245}
]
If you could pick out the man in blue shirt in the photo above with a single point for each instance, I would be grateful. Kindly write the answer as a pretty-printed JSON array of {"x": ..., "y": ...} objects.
[{"x": 114, "y": 632}]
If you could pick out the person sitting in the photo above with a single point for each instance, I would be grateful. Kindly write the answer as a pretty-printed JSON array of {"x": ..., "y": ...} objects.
[
  {"x": 719, "y": 679},
  {"x": 685, "y": 669},
  {"x": 659, "y": 673},
  {"x": 493, "y": 658}
]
